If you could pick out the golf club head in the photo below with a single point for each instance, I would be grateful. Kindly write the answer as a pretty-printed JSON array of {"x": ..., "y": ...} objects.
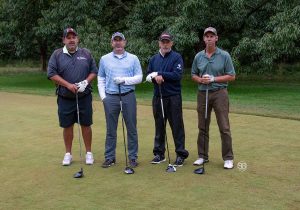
[
  {"x": 128, "y": 170},
  {"x": 200, "y": 170},
  {"x": 79, "y": 174},
  {"x": 170, "y": 168}
]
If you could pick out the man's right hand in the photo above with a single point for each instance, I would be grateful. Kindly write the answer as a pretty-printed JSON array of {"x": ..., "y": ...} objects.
[{"x": 72, "y": 87}]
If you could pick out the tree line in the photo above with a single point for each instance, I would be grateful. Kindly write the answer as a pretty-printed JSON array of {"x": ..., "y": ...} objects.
[{"x": 260, "y": 34}]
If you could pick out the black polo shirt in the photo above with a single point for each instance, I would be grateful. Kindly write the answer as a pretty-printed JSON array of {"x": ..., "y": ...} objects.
[{"x": 72, "y": 68}]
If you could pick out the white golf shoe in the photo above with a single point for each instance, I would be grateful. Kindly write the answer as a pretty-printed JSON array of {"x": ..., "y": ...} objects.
[
  {"x": 67, "y": 159},
  {"x": 199, "y": 162},
  {"x": 228, "y": 164},
  {"x": 89, "y": 159}
]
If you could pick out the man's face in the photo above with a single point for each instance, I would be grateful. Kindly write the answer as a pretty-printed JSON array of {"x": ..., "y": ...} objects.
[
  {"x": 118, "y": 44},
  {"x": 71, "y": 41},
  {"x": 210, "y": 39},
  {"x": 165, "y": 45}
]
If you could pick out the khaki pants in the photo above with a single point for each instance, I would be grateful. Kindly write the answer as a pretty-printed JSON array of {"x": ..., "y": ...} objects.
[{"x": 219, "y": 101}]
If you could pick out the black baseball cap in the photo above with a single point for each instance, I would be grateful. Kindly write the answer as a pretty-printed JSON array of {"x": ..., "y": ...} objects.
[
  {"x": 165, "y": 36},
  {"x": 69, "y": 30}
]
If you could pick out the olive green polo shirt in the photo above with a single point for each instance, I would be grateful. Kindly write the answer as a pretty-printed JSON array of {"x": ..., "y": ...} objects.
[{"x": 218, "y": 64}]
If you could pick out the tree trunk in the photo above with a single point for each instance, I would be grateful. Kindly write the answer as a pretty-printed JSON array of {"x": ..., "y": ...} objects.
[{"x": 43, "y": 52}]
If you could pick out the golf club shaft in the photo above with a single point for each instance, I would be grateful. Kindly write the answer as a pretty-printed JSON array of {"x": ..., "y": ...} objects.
[
  {"x": 165, "y": 123},
  {"x": 79, "y": 133},
  {"x": 121, "y": 108}
]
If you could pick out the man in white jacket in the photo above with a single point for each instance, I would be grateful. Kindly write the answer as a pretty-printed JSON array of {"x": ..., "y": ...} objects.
[{"x": 119, "y": 72}]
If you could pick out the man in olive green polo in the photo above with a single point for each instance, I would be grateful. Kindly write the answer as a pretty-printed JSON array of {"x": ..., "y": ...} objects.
[{"x": 212, "y": 69}]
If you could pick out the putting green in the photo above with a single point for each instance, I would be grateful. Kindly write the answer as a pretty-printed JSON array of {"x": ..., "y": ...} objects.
[{"x": 32, "y": 148}]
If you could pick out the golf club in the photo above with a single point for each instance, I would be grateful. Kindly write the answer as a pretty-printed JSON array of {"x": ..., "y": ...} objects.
[
  {"x": 201, "y": 170},
  {"x": 79, "y": 174},
  {"x": 127, "y": 170},
  {"x": 170, "y": 167}
]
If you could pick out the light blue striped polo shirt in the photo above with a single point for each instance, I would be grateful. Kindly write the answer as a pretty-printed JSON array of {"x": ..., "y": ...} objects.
[{"x": 111, "y": 66}]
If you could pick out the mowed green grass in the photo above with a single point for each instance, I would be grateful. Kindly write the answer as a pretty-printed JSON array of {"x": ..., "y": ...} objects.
[
  {"x": 263, "y": 98},
  {"x": 32, "y": 177}
]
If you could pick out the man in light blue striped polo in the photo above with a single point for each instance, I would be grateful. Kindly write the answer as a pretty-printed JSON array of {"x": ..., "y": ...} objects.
[{"x": 119, "y": 68}]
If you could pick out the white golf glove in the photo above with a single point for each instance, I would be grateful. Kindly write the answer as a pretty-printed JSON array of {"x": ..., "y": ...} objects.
[
  {"x": 211, "y": 77},
  {"x": 119, "y": 80},
  {"x": 151, "y": 76},
  {"x": 82, "y": 85}
]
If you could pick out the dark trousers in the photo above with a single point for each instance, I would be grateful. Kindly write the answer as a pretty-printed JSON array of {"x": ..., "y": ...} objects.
[
  {"x": 173, "y": 113},
  {"x": 218, "y": 101}
]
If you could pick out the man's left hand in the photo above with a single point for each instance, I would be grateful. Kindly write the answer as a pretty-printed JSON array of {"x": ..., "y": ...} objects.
[
  {"x": 81, "y": 85},
  {"x": 159, "y": 79},
  {"x": 119, "y": 80}
]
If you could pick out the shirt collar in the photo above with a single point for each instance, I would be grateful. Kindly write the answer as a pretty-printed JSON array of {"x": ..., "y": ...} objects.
[
  {"x": 216, "y": 52},
  {"x": 65, "y": 50},
  {"x": 120, "y": 57},
  {"x": 165, "y": 54}
]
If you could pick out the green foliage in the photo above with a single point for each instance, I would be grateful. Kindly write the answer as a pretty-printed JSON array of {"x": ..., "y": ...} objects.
[
  {"x": 260, "y": 34},
  {"x": 61, "y": 14},
  {"x": 94, "y": 21},
  {"x": 145, "y": 23},
  {"x": 18, "y": 18},
  {"x": 277, "y": 40},
  {"x": 95, "y": 38}
]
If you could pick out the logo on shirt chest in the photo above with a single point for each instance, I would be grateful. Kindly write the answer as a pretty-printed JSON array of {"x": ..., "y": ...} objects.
[
  {"x": 81, "y": 58},
  {"x": 179, "y": 66}
]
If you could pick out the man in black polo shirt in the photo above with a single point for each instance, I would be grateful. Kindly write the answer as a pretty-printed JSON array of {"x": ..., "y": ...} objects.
[
  {"x": 72, "y": 69},
  {"x": 165, "y": 70}
]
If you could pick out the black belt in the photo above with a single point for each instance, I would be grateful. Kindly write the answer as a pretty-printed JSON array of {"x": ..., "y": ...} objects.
[
  {"x": 80, "y": 96},
  {"x": 122, "y": 94}
]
